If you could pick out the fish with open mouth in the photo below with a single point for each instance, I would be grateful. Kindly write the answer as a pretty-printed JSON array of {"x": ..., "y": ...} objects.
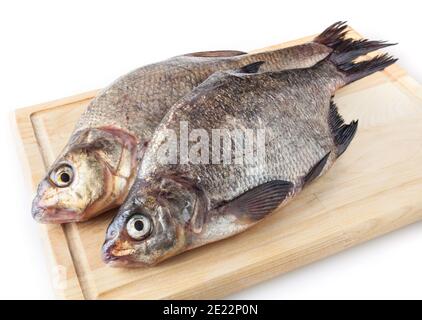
[
  {"x": 177, "y": 206},
  {"x": 97, "y": 167}
]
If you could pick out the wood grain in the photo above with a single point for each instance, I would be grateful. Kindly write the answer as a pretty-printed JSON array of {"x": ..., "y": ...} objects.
[{"x": 374, "y": 188}]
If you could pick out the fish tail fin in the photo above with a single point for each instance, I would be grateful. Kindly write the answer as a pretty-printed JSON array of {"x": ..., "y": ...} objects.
[
  {"x": 353, "y": 71},
  {"x": 347, "y": 49}
]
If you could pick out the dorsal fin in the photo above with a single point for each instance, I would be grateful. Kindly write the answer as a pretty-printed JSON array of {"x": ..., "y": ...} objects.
[
  {"x": 252, "y": 67},
  {"x": 342, "y": 133},
  {"x": 216, "y": 54},
  {"x": 258, "y": 202},
  {"x": 316, "y": 170}
]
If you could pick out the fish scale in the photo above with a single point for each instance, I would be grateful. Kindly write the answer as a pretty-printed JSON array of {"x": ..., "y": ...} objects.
[
  {"x": 124, "y": 116},
  {"x": 164, "y": 83},
  {"x": 295, "y": 160},
  {"x": 199, "y": 203}
]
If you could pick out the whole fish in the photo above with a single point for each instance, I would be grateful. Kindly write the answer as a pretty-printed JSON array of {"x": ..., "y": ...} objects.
[
  {"x": 97, "y": 167},
  {"x": 176, "y": 205}
]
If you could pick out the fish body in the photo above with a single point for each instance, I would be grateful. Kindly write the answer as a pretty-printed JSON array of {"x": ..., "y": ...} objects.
[
  {"x": 174, "y": 206},
  {"x": 98, "y": 165}
]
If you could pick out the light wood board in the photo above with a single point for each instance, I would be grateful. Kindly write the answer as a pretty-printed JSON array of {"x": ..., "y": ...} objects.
[{"x": 375, "y": 187}]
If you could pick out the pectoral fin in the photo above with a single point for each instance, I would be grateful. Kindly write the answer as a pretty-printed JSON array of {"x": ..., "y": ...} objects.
[
  {"x": 199, "y": 214},
  {"x": 260, "y": 201}
]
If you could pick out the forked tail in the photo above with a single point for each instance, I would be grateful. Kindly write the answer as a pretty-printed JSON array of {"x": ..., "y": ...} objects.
[
  {"x": 334, "y": 37},
  {"x": 357, "y": 70},
  {"x": 345, "y": 50}
]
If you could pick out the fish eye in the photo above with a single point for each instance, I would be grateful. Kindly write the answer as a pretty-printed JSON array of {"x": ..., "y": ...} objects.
[
  {"x": 139, "y": 227},
  {"x": 62, "y": 176}
]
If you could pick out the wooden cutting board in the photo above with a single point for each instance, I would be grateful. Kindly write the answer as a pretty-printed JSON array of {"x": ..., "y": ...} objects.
[{"x": 375, "y": 187}]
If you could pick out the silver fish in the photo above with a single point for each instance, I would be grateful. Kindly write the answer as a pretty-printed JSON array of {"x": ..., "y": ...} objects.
[
  {"x": 174, "y": 207},
  {"x": 97, "y": 167}
]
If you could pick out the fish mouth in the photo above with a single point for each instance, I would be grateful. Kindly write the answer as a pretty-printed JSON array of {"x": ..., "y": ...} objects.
[
  {"x": 53, "y": 215},
  {"x": 114, "y": 261},
  {"x": 121, "y": 260}
]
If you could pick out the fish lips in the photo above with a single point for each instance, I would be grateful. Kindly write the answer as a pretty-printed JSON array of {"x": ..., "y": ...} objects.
[
  {"x": 111, "y": 260},
  {"x": 115, "y": 262},
  {"x": 121, "y": 261},
  {"x": 53, "y": 215}
]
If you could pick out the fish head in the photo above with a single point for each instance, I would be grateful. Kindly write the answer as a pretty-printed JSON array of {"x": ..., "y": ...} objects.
[
  {"x": 91, "y": 176},
  {"x": 150, "y": 227}
]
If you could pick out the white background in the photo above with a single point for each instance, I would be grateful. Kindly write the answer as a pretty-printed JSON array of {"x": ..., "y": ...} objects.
[{"x": 53, "y": 49}]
